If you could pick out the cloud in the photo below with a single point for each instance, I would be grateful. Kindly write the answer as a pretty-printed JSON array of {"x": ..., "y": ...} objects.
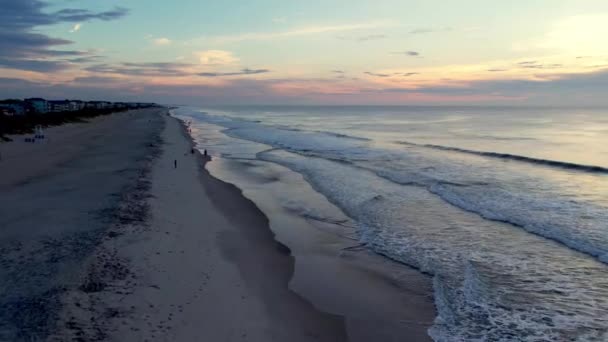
[
  {"x": 371, "y": 37},
  {"x": 76, "y": 28},
  {"x": 33, "y": 64},
  {"x": 363, "y": 38},
  {"x": 245, "y": 71},
  {"x": 142, "y": 69},
  {"x": 407, "y": 53},
  {"x": 279, "y": 20},
  {"x": 537, "y": 65},
  {"x": 377, "y": 74},
  {"x": 22, "y": 47},
  {"x": 302, "y": 31},
  {"x": 85, "y": 59},
  {"x": 163, "y": 69},
  {"x": 557, "y": 89},
  {"x": 72, "y": 14},
  {"x": 404, "y": 74},
  {"x": 429, "y": 30},
  {"x": 217, "y": 57},
  {"x": 338, "y": 71},
  {"x": 161, "y": 41},
  {"x": 585, "y": 89}
]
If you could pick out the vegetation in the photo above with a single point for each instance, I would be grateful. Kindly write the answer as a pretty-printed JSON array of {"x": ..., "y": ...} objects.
[{"x": 24, "y": 124}]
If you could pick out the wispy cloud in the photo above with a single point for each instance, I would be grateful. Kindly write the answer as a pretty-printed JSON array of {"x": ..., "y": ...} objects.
[
  {"x": 376, "y": 74},
  {"x": 537, "y": 65},
  {"x": 407, "y": 53},
  {"x": 76, "y": 28},
  {"x": 142, "y": 69},
  {"x": 302, "y": 31},
  {"x": 371, "y": 37},
  {"x": 392, "y": 74},
  {"x": 79, "y": 15},
  {"x": 362, "y": 38},
  {"x": 216, "y": 57},
  {"x": 245, "y": 71},
  {"x": 162, "y": 41},
  {"x": 429, "y": 30}
]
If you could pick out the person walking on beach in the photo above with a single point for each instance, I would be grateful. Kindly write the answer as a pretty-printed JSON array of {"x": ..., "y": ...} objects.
[{"x": 175, "y": 163}]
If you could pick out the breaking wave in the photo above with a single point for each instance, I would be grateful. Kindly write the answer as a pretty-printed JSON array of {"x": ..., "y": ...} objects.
[{"x": 507, "y": 156}]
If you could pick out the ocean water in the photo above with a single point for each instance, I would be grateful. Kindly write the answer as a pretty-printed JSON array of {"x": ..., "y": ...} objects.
[{"x": 507, "y": 208}]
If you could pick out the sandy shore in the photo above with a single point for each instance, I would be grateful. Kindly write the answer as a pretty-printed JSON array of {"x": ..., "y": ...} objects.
[
  {"x": 154, "y": 252},
  {"x": 202, "y": 270},
  {"x": 57, "y": 200}
]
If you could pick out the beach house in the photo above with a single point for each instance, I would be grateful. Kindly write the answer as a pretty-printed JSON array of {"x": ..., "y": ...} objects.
[
  {"x": 38, "y": 105},
  {"x": 59, "y": 106},
  {"x": 17, "y": 107},
  {"x": 76, "y": 105}
]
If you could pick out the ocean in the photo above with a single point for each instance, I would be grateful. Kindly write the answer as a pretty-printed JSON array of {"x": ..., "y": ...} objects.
[{"x": 506, "y": 208}]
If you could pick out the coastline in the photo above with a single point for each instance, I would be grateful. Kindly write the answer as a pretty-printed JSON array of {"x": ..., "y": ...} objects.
[
  {"x": 181, "y": 255},
  {"x": 193, "y": 270},
  {"x": 378, "y": 298}
]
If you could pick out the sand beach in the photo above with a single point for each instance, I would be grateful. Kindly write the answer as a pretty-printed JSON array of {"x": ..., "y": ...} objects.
[{"x": 115, "y": 230}]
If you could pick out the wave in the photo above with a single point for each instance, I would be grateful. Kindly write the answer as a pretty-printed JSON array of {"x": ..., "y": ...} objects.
[
  {"x": 589, "y": 241},
  {"x": 486, "y": 275},
  {"x": 492, "y": 203},
  {"x": 507, "y": 156},
  {"x": 341, "y": 135}
]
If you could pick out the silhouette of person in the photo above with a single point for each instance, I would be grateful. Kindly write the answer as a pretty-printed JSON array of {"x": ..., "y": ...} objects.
[{"x": 175, "y": 163}]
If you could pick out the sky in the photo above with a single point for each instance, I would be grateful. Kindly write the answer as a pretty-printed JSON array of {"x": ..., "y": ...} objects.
[{"x": 335, "y": 52}]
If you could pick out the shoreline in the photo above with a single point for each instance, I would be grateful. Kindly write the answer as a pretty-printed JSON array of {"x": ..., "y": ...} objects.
[
  {"x": 193, "y": 271},
  {"x": 179, "y": 254},
  {"x": 361, "y": 280}
]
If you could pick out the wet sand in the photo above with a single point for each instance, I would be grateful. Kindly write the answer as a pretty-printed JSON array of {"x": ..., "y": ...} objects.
[
  {"x": 144, "y": 251},
  {"x": 379, "y": 299}
]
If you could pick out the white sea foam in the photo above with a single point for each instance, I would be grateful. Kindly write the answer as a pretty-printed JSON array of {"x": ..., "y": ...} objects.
[{"x": 522, "y": 294}]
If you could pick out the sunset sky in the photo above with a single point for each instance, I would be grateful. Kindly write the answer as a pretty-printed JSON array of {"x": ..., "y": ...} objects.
[{"x": 533, "y": 52}]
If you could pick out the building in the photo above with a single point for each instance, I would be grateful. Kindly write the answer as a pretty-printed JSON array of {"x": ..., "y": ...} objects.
[
  {"x": 91, "y": 104},
  {"x": 59, "y": 106},
  {"x": 97, "y": 104},
  {"x": 17, "y": 107},
  {"x": 38, "y": 105},
  {"x": 76, "y": 105}
]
